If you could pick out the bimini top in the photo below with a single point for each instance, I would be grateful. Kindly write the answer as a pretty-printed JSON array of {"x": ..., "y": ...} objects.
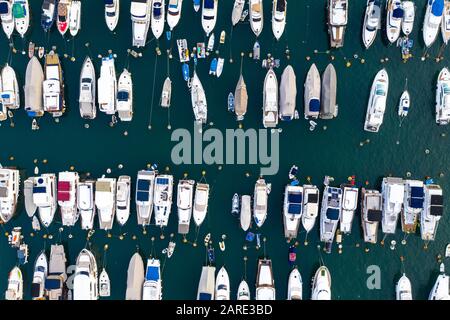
[
  {"x": 19, "y": 11},
  {"x": 374, "y": 215},
  {"x": 63, "y": 191},
  {"x": 162, "y": 181},
  {"x": 314, "y": 105},
  {"x": 333, "y": 214},
  {"x": 4, "y": 8},
  {"x": 398, "y": 13},
  {"x": 109, "y": 1},
  {"x": 209, "y": 4},
  {"x": 437, "y": 208},
  {"x": 417, "y": 197},
  {"x": 281, "y": 5},
  {"x": 143, "y": 187},
  {"x": 152, "y": 273},
  {"x": 295, "y": 203},
  {"x": 437, "y": 7},
  {"x": 123, "y": 95},
  {"x": 204, "y": 296}
]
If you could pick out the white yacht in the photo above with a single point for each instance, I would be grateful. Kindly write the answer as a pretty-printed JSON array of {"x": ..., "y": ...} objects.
[
  {"x": 312, "y": 93},
  {"x": 265, "y": 284},
  {"x": 135, "y": 278},
  {"x": 62, "y": 16},
  {"x": 337, "y": 22},
  {"x": 174, "y": 13},
  {"x": 107, "y": 86},
  {"x": 166, "y": 94},
  {"x": 185, "y": 194},
  {"x": 270, "y": 100},
  {"x": 85, "y": 282},
  {"x": 124, "y": 101},
  {"x": 329, "y": 109},
  {"x": 9, "y": 193},
  {"x": 14, "y": 290},
  {"x": 288, "y": 94},
  {"x": 75, "y": 18},
  {"x": 144, "y": 196},
  {"x": 30, "y": 206},
  {"x": 295, "y": 285},
  {"x": 158, "y": 18},
  {"x": 104, "y": 284},
  {"x": 222, "y": 291},
  {"x": 292, "y": 210},
  {"x": 443, "y": 97},
  {"x": 86, "y": 204},
  {"x": 330, "y": 214},
  {"x": 256, "y": 16},
  {"x": 209, "y": 15},
  {"x": 105, "y": 201},
  {"x": 243, "y": 292},
  {"x": 245, "y": 214},
  {"x": 206, "y": 284},
  {"x": 55, "y": 284},
  {"x": 67, "y": 197},
  {"x": 21, "y": 13},
  {"x": 412, "y": 205},
  {"x": 112, "y": 10},
  {"x": 140, "y": 11},
  {"x": 34, "y": 78},
  {"x": 198, "y": 98},
  {"x": 44, "y": 197},
  {"x": 123, "y": 194},
  {"x": 310, "y": 207},
  {"x": 87, "y": 90},
  {"x": 7, "y": 17},
  {"x": 393, "y": 191},
  {"x": 394, "y": 19},
  {"x": 371, "y": 213},
  {"x": 409, "y": 12},
  {"x": 372, "y": 22},
  {"x": 377, "y": 102},
  {"x": 279, "y": 11},
  {"x": 445, "y": 24},
  {"x": 440, "y": 290},
  {"x": 321, "y": 286},
  {"x": 9, "y": 88},
  {"x": 260, "y": 199},
  {"x": 39, "y": 276},
  {"x": 152, "y": 288},
  {"x": 200, "y": 207},
  {"x": 162, "y": 201},
  {"x": 403, "y": 289},
  {"x": 433, "y": 209},
  {"x": 238, "y": 9},
  {"x": 432, "y": 21},
  {"x": 53, "y": 86},
  {"x": 404, "y": 104},
  {"x": 349, "y": 205}
]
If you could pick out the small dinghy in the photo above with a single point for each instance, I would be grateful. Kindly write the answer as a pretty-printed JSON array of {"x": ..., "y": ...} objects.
[
  {"x": 231, "y": 102},
  {"x": 211, "y": 42},
  {"x": 104, "y": 284},
  {"x": 223, "y": 35},
  {"x": 35, "y": 224},
  {"x": 246, "y": 216},
  {"x": 213, "y": 67},
  {"x": 235, "y": 205},
  {"x": 41, "y": 52},
  {"x": 196, "y": 5},
  {"x": 256, "y": 51},
  {"x": 220, "y": 64},
  {"x": 166, "y": 93}
]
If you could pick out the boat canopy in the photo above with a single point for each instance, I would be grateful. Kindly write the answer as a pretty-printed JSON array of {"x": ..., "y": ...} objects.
[
  {"x": 437, "y": 208},
  {"x": 398, "y": 13},
  {"x": 295, "y": 208},
  {"x": 63, "y": 191},
  {"x": 42, "y": 189},
  {"x": 4, "y": 8},
  {"x": 109, "y": 2},
  {"x": 332, "y": 214},
  {"x": 313, "y": 198},
  {"x": 281, "y": 5},
  {"x": 209, "y": 4},
  {"x": 152, "y": 273},
  {"x": 19, "y": 11},
  {"x": 417, "y": 195},
  {"x": 374, "y": 215},
  {"x": 35, "y": 290},
  {"x": 204, "y": 296},
  {"x": 123, "y": 95},
  {"x": 314, "y": 105},
  {"x": 52, "y": 284},
  {"x": 437, "y": 7},
  {"x": 162, "y": 181}
]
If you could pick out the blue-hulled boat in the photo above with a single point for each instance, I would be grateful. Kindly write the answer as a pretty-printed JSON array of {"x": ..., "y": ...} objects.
[
  {"x": 185, "y": 69},
  {"x": 213, "y": 67},
  {"x": 231, "y": 102}
]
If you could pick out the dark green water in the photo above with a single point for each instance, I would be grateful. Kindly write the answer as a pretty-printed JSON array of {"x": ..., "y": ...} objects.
[{"x": 335, "y": 151}]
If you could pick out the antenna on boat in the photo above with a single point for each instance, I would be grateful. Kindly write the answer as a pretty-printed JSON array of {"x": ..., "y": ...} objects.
[{"x": 245, "y": 268}]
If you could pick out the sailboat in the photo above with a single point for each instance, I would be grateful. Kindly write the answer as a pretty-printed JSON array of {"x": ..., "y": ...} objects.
[
  {"x": 270, "y": 100},
  {"x": 86, "y": 204},
  {"x": 21, "y": 13},
  {"x": 105, "y": 201},
  {"x": 124, "y": 103},
  {"x": 158, "y": 16},
  {"x": 295, "y": 285},
  {"x": 394, "y": 19},
  {"x": 206, "y": 284},
  {"x": 403, "y": 290},
  {"x": 75, "y": 18},
  {"x": 243, "y": 292},
  {"x": 144, "y": 196},
  {"x": 371, "y": 214},
  {"x": 321, "y": 286},
  {"x": 62, "y": 19},
  {"x": 312, "y": 93},
  {"x": 433, "y": 210},
  {"x": 162, "y": 201},
  {"x": 85, "y": 282},
  {"x": 409, "y": 12},
  {"x": 393, "y": 192},
  {"x": 53, "y": 86},
  {"x": 279, "y": 12},
  {"x": 245, "y": 214},
  {"x": 166, "y": 94},
  {"x": 7, "y": 17},
  {"x": 34, "y": 77},
  {"x": 377, "y": 102},
  {"x": 67, "y": 201},
  {"x": 152, "y": 288},
  {"x": 123, "y": 193},
  {"x": 240, "y": 99},
  {"x": 14, "y": 290},
  {"x": 443, "y": 98},
  {"x": 292, "y": 210},
  {"x": 265, "y": 284},
  {"x": 329, "y": 108},
  {"x": 107, "y": 86},
  {"x": 337, "y": 22},
  {"x": 256, "y": 16},
  {"x": 87, "y": 90},
  {"x": 209, "y": 15},
  {"x": 330, "y": 215},
  {"x": 310, "y": 207},
  {"x": 238, "y": 8},
  {"x": 48, "y": 15},
  {"x": 9, "y": 88},
  {"x": 288, "y": 94},
  {"x": 200, "y": 207},
  {"x": 372, "y": 22},
  {"x": 39, "y": 277},
  {"x": 9, "y": 193},
  {"x": 140, "y": 11},
  {"x": 222, "y": 291},
  {"x": 174, "y": 13},
  {"x": 432, "y": 21},
  {"x": 185, "y": 193},
  {"x": 112, "y": 10},
  {"x": 44, "y": 197},
  {"x": 198, "y": 98}
]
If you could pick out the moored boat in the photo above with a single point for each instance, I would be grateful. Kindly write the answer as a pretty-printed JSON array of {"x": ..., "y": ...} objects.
[
  {"x": 21, "y": 13},
  {"x": 337, "y": 22},
  {"x": 62, "y": 19},
  {"x": 433, "y": 210},
  {"x": 162, "y": 201},
  {"x": 44, "y": 197},
  {"x": 240, "y": 99},
  {"x": 144, "y": 196},
  {"x": 86, "y": 204},
  {"x": 288, "y": 94},
  {"x": 123, "y": 194},
  {"x": 312, "y": 93},
  {"x": 135, "y": 278},
  {"x": 376, "y": 105},
  {"x": 222, "y": 290},
  {"x": 292, "y": 210},
  {"x": 124, "y": 103},
  {"x": 295, "y": 285},
  {"x": 85, "y": 282},
  {"x": 445, "y": 25},
  {"x": 279, "y": 12},
  {"x": 75, "y": 18},
  {"x": 412, "y": 205},
  {"x": 243, "y": 292},
  {"x": 238, "y": 8},
  {"x": 392, "y": 190},
  {"x": 200, "y": 207},
  {"x": 260, "y": 200},
  {"x": 152, "y": 288},
  {"x": 7, "y": 17},
  {"x": 140, "y": 11},
  {"x": 321, "y": 285},
  {"x": 34, "y": 78},
  {"x": 409, "y": 12},
  {"x": 112, "y": 10},
  {"x": 394, "y": 19},
  {"x": 245, "y": 214},
  {"x": 185, "y": 194},
  {"x": 270, "y": 100},
  {"x": 372, "y": 22},
  {"x": 67, "y": 197},
  {"x": 404, "y": 104},
  {"x": 403, "y": 289},
  {"x": 87, "y": 95},
  {"x": 158, "y": 17},
  {"x": 9, "y": 193},
  {"x": 432, "y": 21},
  {"x": 265, "y": 284},
  {"x": 440, "y": 290},
  {"x": 206, "y": 284},
  {"x": 310, "y": 209},
  {"x": 209, "y": 15},
  {"x": 329, "y": 108},
  {"x": 443, "y": 97},
  {"x": 40, "y": 273},
  {"x": 166, "y": 94},
  {"x": 198, "y": 98},
  {"x": 371, "y": 214},
  {"x": 256, "y": 16},
  {"x": 107, "y": 86},
  {"x": 14, "y": 290},
  {"x": 30, "y": 206},
  {"x": 105, "y": 201},
  {"x": 48, "y": 14},
  {"x": 53, "y": 86},
  {"x": 330, "y": 215},
  {"x": 55, "y": 284},
  {"x": 174, "y": 13},
  {"x": 349, "y": 205}
]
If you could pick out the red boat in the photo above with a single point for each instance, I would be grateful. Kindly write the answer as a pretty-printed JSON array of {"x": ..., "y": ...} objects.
[{"x": 63, "y": 16}]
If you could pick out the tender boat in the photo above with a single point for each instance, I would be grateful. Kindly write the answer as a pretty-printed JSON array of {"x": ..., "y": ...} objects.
[
  {"x": 53, "y": 86},
  {"x": 321, "y": 286},
  {"x": 124, "y": 101},
  {"x": 372, "y": 22},
  {"x": 211, "y": 42},
  {"x": 55, "y": 284},
  {"x": 270, "y": 100},
  {"x": 34, "y": 78},
  {"x": 310, "y": 209},
  {"x": 443, "y": 98},
  {"x": 21, "y": 13},
  {"x": 220, "y": 65},
  {"x": 240, "y": 99},
  {"x": 112, "y": 10},
  {"x": 260, "y": 199},
  {"x": 7, "y": 17},
  {"x": 158, "y": 16},
  {"x": 371, "y": 213},
  {"x": 198, "y": 98},
  {"x": 392, "y": 190},
  {"x": 140, "y": 11},
  {"x": 209, "y": 15},
  {"x": 243, "y": 292},
  {"x": 39, "y": 276},
  {"x": 394, "y": 19},
  {"x": 107, "y": 86},
  {"x": 85, "y": 282},
  {"x": 104, "y": 284},
  {"x": 292, "y": 210},
  {"x": 44, "y": 197},
  {"x": 288, "y": 94},
  {"x": 67, "y": 197},
  {"x": 279, "y": 17},
  {"x": 86, "y": 204},
  {"x": 330, "y": 214},
  {"x": 256, "y": 16},
  {"x": 412, "y": 205},
  {"x": 48, "y": 15},
  {"x": 238, "y": 8},
  {"x": 377, "y": 102},
  {"x": 230, "y": 102},
  {"x": 329, "y": 108},
  {"x": 403, "y": 289},
  {"x": 166, "y": 94},
  {"x": 256, "y": 51},
  {"x": 105, "y": 201},
  {"x": 265, "y": 284},
  {"x": 445, "y": 25},
  {"x": 200, "y": 207},
  {"x": 174, "y": 13},
  {"x": 63, "y": 16},
  {"x": 162, "y": 201},
  {"x": 87, "y": 90},
  {"x": 245, "y": 216},
  {"x": 185, "y": 193},
  {"x": 432, "y": 21},
  {"x": 75, "y": 18},
  {"x": 337, "y": 22},
  {"x": 123, "y": 194},
  {"x": 135, "y": 278},
  {"x": 152, "y": 288},
  {"x": 222, "y": 285},
  {"x": 14, "y": 290},
  {"x": 30, "y": 206},
  {"x": 440, "y": 290},
  {"x": 408, "y": 16},
  {"x": 433, "y": 210},
  {"x": 9, "y": 193},
  {"x": 349, "y": 205},
  {"x": 312, "y": 93},
  {"x": 295, "y": 285},
  {"x": 404, "y": 104},
  {"x": 206, "y": 285},
  {"x": 235, "y": 206},
  {"x": 144, "y": 196}
]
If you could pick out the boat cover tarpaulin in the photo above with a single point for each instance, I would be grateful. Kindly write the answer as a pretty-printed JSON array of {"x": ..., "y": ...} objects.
[
  {"x": 35, "y": 290},
  {"x": 209, "y": 4},
  {"x": 329, "y": 89},
  {"x": 152, "y": 273},
  {"x": 333, "y": 214},
  {"x": 295, "y": 208},
  {"x": 204, "y": 296},
  {"x": 63, "y": 191},
  {"x": 398, "y": 13},
  {"x": 437, "y": 7},
  {"x": 314, "y": 105}
]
